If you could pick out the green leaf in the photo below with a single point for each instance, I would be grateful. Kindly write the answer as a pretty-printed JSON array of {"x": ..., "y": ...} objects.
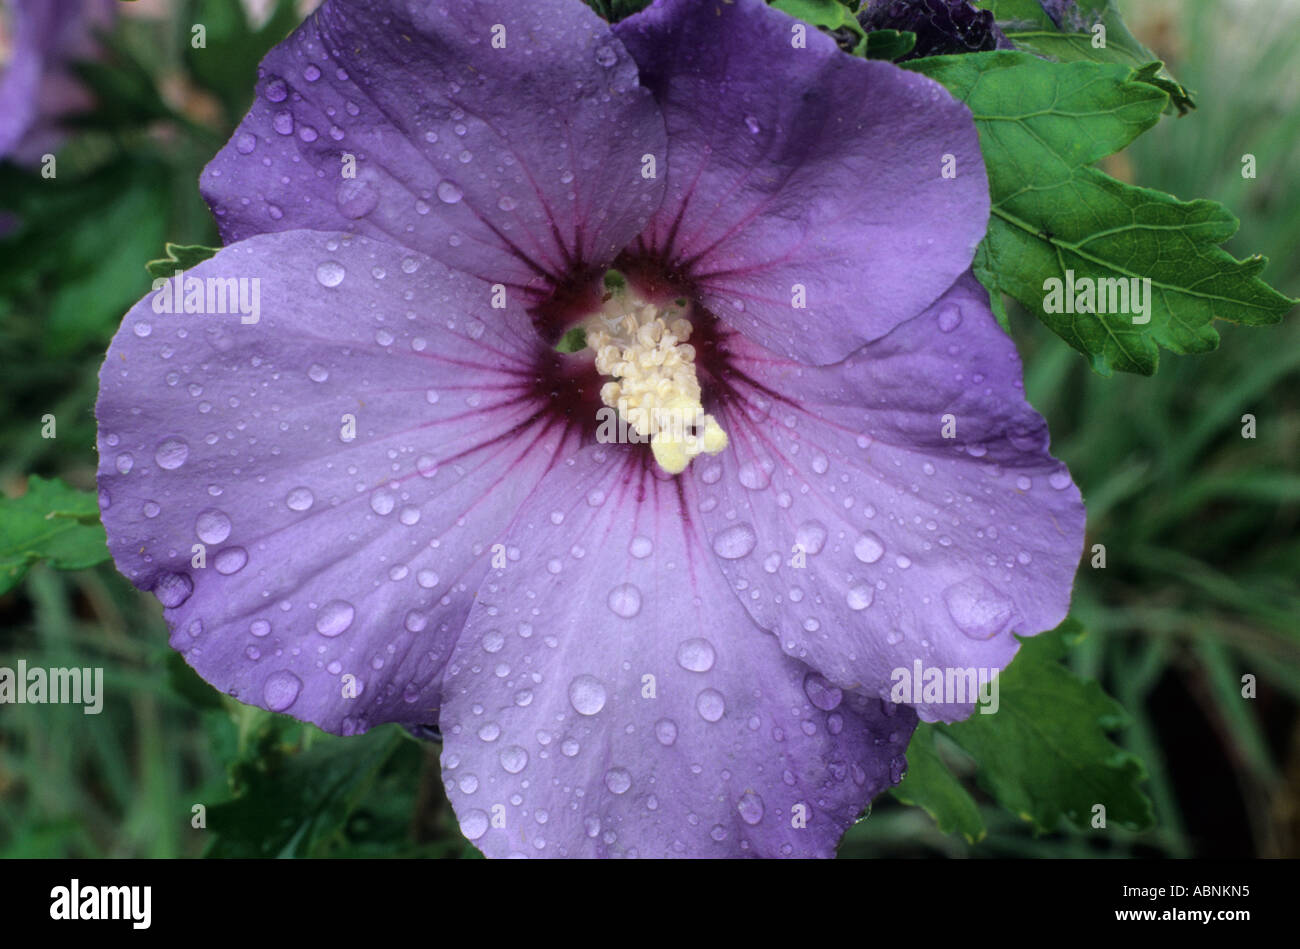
[
  {"x": 930, "y": 786},
  {"x": 52, "y": 523},
  {"x": 291, "y": 800},
  {"x": 889, "y": 44},
  {"x": 179, "y": 257},
  {"x": 1045, "y": 754},
  {"x": 826, "y": 14},
  {"x": 1027, "y": 25},
  {"x": 1041, "y": 127},
  {"x": 227, "y": 63}
]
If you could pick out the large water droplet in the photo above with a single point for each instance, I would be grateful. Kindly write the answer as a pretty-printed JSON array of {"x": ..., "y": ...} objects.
[
  {"x": 356, "y": 198},
  {"x": 811, "y": 536},
  {"x": 696, "y": 655},
  {"x": 618, "y": 780},
  {"x": 869, "y": 548},
  {"x": 474, "y": 824},
  {"x": 330, "y": 273},
  {"x": 949, "y": 318},
  {"x": 514, "y": 759},
  {"x": 750, "y": 807},
  {"x": 666, "y": 731},
  {"x": 625, "y": 600},
  {"x": 710, "y": 704},
  {"x": 821, "y": 693},
  {"x": 300, "y": 499},
  {"x": 173, "y": 589},
  {"x": 171, "y": 453},
  {"x": 230, "y": 560},
  {"x": 860, "y": 596},
  {"x": 212, "y": 526},
  {"x": 335, "y": 617},
  {"x": 280, "y": 690},
  {"x": 979, "y": 610},
  {"x": 587, "y": 695},
  {"x": 734, "y": 542},
  {"x": 449, "y": 192}
]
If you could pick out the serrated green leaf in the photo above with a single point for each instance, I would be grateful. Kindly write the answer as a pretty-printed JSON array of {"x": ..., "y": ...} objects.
[
  {"x": 930, "y": 786},
  {"x": 1041, "y": 127},
  {"x": 52, "y": 523},
  {"x": 1045, "y": 753},
  {"x": 1029, "y": 27},
  {"x": 179, "y": 257}
]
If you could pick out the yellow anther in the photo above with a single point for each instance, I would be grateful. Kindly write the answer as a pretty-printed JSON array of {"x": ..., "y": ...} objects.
[{"x": 655, "y": 388}]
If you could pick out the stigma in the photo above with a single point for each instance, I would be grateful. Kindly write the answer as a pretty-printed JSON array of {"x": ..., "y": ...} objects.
[{"x": 644, "y": 349}]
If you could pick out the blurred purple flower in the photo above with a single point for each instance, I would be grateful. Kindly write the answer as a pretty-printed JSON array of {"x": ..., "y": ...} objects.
[
  {"x": 398, "y": 487},
  {"x": 941, "y": 26},
  {"x": 39, "y": 39}
]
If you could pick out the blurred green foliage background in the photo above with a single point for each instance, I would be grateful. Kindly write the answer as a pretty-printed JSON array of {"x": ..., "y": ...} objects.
[{"x": 1200, "y": 524}]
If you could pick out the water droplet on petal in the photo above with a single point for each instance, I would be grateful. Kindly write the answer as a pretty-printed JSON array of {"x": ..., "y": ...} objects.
[
  {"x": 750, "y": 807},
  {"x": 330, "y": 273},
  {"x": 300, "y": 499},
  {"x": 230, "y": 560},
  {"x": 171, "y": 453},
  {"x": 869, "y": 548},
  {"x": 212, "y": 526},
  {"x": 821, "y": 693},
  {"x": 514, "y": 759},
  {"x": 735, "y": 542},
  {"x": 618, "y": 780},
  {"x": 474, "y": 824},
  {"x": 860, "y": 596},
  {"x": 356, "y": 198},
  {"x": 587, "y": 695},
  {"x": 710, "y": 705},
  {"x": 449, "y": 192},
  {"x": 811, "y": 536},
  {"x": 666, "y": 731},
  {"x": 696, "y": 655},
  {"x": 979, "y": 610},
  {"x": 335, "y": 617},
  {"x": 173, "y": 589},
  {"x": 625, "y": 600},
  {"x": 280, "y": 690}
]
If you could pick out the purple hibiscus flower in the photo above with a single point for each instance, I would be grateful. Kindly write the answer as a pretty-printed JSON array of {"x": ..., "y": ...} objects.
[
  {"x": 39, "y": 39},
  {"x": 405, "y": 499}
]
